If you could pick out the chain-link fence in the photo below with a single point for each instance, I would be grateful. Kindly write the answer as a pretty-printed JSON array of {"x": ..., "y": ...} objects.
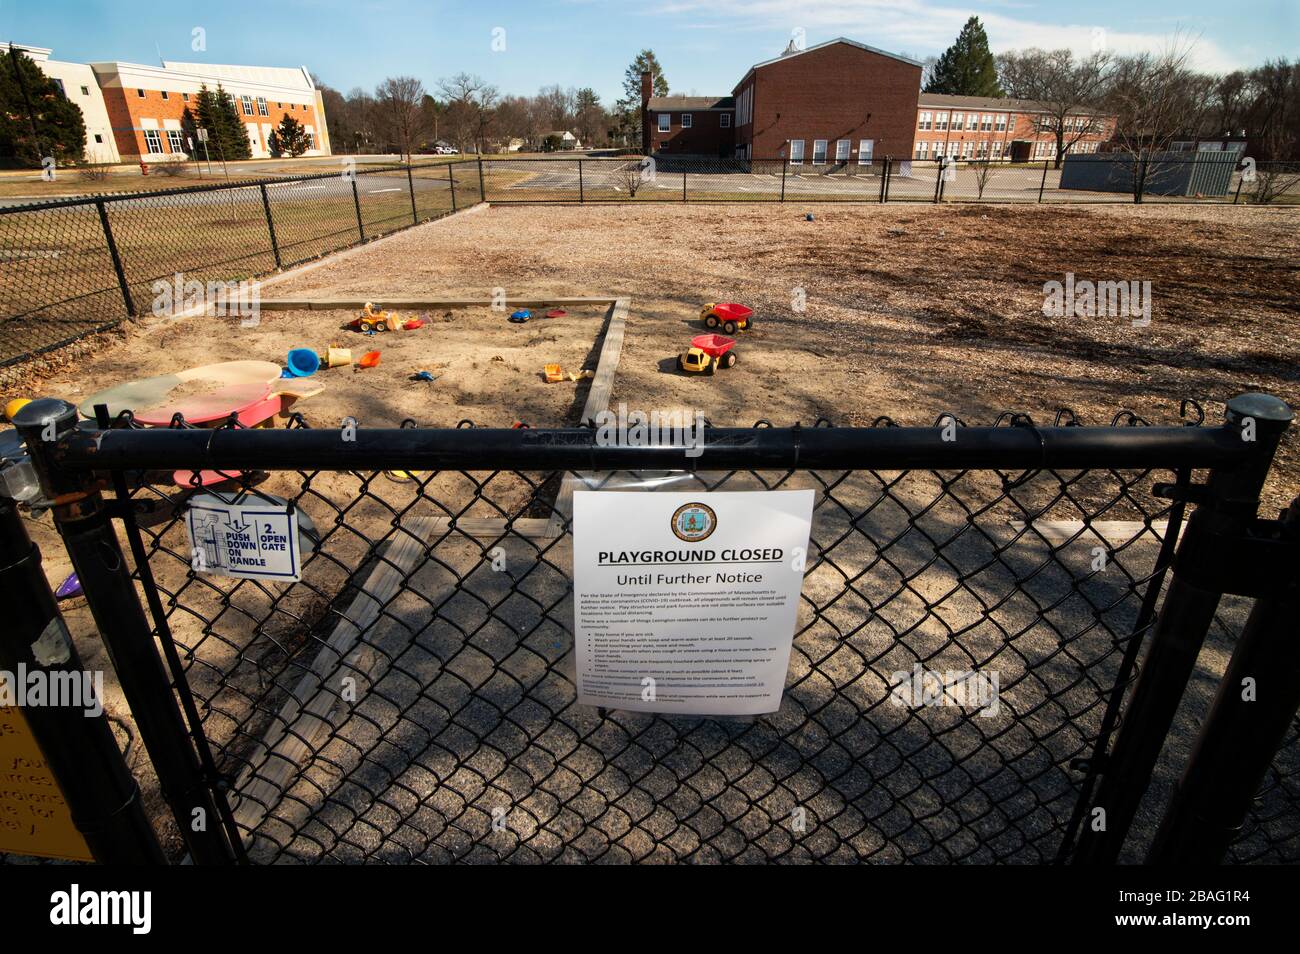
[
  {"x": 412, "y": 697},
  {"x": 1081, "y": 179},
  {"x": 72, "y": 267}
]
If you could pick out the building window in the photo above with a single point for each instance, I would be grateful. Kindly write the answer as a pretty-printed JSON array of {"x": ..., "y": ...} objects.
[
  {"x": 164, "y": 94},
  {"x": 865, "y": 149},
  {"x": 665, "y": 122},
  {"x": 986, "y": 122},
  {"x": 311, "y": 140},
  {"x": 261, "y": 106},
  {"x": 983, "y": 152},
  {"x": 140, "y": 93},
  {"x": 686, "y": 120},
  {"x": 99, "y": 138},
  {"x": 85, "y": 91},
  {"x": 819, "y": 152},
  {"x": 152, "y": 142},
  {"x": 796, "y": 152},
  {"x": 926, "y": 121},
  {"x": 997, "y": 148},
  {"x": 842, "y": 150},
  {"x": 958, "y": 120},
  {"x": 174, "y": 142},
  {"x": 185, "y": 97},
  {"x": 1000, "y": 123},
  {"x": 247, "y": 102},
  {"x": 940, "y": 121},
  {"x": 967, "y": 148},
  {"x": 922, "y": 149},
  {"x": 724, "y": 121}
]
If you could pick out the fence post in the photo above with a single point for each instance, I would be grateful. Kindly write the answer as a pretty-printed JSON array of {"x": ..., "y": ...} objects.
[
  {"x": 884, "y": 179},
  {"x": 451, "y": 184},
  {"x": 785, "y": 162},
  {"x": 102, "y": 795},
  {"x": 356, "y": 201},
  {"x": 1226, "y": 506},
  {"x": 117, "y": 259},
  {"x": 410, "y": 184},
  {"x": 482, "y": 190},
  {"x": 83, "y": 521},
  {"x": 1043, "y": 183},
  {"x": 270, "y": 225},
  {"x": 938, "y": 178},
  {"x": 1237, "y": 194},
  {"x": 683, "y": 183},
  {"x": 1238, "y": 740},
  {"x": 582, "y": 196}
]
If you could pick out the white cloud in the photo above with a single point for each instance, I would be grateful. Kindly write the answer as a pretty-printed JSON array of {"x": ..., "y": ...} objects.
[{"x": 920, "y": 27}]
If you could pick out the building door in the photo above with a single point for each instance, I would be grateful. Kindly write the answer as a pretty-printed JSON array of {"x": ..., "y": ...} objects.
[{"x": 865, "y": 148}]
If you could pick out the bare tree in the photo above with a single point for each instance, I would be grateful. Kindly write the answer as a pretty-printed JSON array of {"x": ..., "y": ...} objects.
[
  {"x": 1157, "y": 99},
  {"x": 1066, "y": 90},
  {"x": 471, "y": 103},
  {"x": 983, "y": 170},
  {"x": 399, "y": 108}
]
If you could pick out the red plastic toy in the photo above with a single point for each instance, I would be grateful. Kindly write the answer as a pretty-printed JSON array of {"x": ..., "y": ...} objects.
[
  {"x": 707, "y": 353},
  {"x": 730, "y": 316}
]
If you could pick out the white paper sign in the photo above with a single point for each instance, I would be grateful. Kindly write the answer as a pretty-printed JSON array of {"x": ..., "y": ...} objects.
[
  {"x": 686, "y": 602},
  {"x": 250, "y": 538}
]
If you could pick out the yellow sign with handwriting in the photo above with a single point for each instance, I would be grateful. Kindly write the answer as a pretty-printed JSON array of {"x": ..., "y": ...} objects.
[{"x": 34, "y": 818}]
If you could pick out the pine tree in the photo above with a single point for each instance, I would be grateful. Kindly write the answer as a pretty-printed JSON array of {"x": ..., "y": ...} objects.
[
  {"x": 629, "y": 107},
  {"x": 966, "y": 68},
  {"x": 290, "y": 137},
  {"x": 234, "y": 138},
  {"x": 27, "y": 97}
]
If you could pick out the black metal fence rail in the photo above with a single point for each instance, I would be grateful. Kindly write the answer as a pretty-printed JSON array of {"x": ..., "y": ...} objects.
[
  {"x": 439, "y": 587},
  {"x": 73, "y": 267}
]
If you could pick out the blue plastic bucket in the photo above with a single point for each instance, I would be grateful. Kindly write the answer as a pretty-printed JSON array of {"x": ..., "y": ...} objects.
[{"x": 303, "y": 362}]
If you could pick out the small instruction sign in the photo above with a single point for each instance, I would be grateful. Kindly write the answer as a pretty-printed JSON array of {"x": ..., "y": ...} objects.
[{"x": 253, "y": 538}]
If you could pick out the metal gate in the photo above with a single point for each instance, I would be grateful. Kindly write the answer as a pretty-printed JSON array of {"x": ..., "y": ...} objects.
[{"x": 410, "y": 699}]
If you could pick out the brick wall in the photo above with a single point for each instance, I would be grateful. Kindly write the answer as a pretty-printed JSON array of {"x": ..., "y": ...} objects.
[
  {"x": 705, "y": 137},
  {"x": 837, "y": 92},
  {"x": 127, "y": 108}
]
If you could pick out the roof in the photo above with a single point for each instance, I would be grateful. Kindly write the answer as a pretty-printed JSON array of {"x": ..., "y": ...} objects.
[
  {"x": 943, "y": 100},
  {"x": 670, "y": 103},
  {"x": 838, "y": 39}
]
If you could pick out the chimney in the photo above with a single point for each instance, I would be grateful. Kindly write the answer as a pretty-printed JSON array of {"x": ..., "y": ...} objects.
[{"x": 647, "y": 88}]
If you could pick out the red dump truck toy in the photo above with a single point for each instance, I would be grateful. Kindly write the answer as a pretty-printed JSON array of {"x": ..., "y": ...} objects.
[
  {"x": 727, "y": 315},
  {"x": 707, "y": 353}
]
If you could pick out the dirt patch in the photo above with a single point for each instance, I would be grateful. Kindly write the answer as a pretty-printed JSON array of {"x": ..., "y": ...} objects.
[
  {"x": 908, "y": 311},
  {"x": 487, "y": 370}
]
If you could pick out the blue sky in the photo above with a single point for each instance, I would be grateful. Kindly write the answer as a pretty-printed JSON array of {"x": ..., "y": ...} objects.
[{"x": 705, "y": 46}]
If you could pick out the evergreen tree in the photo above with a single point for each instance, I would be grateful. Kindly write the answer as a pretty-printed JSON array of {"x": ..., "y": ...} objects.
[
  {"x": 967, "y": 67},
  {"x": 28, "y": 97},
  {"x": 629, "y": 107},
  {"x": 290, "y": 137},
  {"x": 234, "y": 138}
]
